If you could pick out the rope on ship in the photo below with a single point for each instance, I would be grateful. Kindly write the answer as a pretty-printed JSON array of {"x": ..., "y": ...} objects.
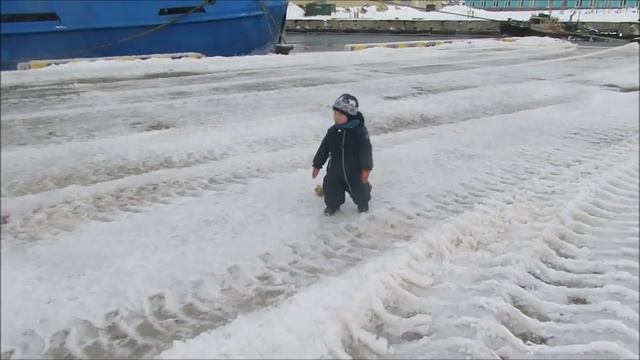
[
  {"x": 150, "y": 31},
  {"x": 267, "y": 12},
  {"x": 138, "y": 35}
]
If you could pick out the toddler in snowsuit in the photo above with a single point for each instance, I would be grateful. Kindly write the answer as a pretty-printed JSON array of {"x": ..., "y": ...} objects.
[{"x": 348, "y": 148}]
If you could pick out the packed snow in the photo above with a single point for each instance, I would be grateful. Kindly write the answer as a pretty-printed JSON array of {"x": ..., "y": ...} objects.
[
  {"x": 463, "y": 13},
  {"x": 165, "y": 208}
]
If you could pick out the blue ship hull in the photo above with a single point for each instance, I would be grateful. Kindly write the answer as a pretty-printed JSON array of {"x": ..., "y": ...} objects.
[{"x": 62, "y": 29}]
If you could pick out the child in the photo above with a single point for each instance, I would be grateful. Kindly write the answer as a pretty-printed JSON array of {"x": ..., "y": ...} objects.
[{"x": 348, "y": 148}]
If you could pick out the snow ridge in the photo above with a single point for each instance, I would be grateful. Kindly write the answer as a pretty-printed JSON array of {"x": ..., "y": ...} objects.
[
  {"x": 154, "y": 211},
  {"x": 551, "y": 286}
]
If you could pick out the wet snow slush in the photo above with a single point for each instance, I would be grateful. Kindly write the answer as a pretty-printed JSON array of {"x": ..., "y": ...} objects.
[{"x": 165, "y": 208}]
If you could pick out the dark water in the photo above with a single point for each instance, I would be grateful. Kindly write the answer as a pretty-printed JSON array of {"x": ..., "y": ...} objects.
[{"x": 312, "y": 42}]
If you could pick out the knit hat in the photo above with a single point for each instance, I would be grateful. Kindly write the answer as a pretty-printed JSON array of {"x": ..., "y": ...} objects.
[{"x": 346, "y": 104}]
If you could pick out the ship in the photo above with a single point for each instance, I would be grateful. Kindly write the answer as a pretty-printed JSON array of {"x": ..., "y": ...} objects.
[
  {"x": 546, "y": 25},
  {"x": 68, "y": 29},
  {"x": 538, "y": 25}
]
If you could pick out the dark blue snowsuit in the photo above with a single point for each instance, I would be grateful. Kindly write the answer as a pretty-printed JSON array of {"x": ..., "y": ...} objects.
[{"x": 349, "y": 151}]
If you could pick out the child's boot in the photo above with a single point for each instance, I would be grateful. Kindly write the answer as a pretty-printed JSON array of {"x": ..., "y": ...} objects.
[{"x": 330, "y": 211}]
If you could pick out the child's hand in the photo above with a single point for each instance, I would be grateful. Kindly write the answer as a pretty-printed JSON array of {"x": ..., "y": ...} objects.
[
  {"x": 315, "y": 172},
  {"x": 364, "y": 176}
]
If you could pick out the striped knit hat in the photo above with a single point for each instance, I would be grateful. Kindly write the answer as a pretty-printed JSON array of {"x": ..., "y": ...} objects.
[{"x": 346, "y": 104}]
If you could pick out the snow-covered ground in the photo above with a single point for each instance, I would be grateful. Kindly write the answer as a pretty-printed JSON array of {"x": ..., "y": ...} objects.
[
  {"x": 391, "y": 12},
  {"x": 165, "y": 208}
]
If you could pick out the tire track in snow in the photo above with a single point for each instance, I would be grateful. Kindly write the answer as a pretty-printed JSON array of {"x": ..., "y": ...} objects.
[
  {"x": 196, "y": 84},
  {"x": 516, "y": 275},
  {"x": 132, "y": 105},
  {"x": 130, "y": 333},
  {"x": 142, "y": 331},
  {"x": 532, "y": 303},
  {"x": 93, "y": 191}
]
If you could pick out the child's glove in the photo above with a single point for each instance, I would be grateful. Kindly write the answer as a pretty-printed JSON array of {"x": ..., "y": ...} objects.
[
  {"x": 315, "y": 172},
  {"x": 364, "y": 176}
]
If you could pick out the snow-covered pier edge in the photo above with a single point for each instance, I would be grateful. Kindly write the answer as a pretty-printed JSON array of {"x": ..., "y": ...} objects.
[{"x": 436, "y": 27}]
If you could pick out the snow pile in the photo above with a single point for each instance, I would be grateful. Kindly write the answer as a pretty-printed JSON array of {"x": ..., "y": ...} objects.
[
  {"x": 294, "y": 11},
  {"x": 428, "y": 297},
  {"x": 396, "y": 12},
  {"x": 595, "y": 15},
  {"x": 167, "y": 206},
  {"x": 372, "y": 12}
]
